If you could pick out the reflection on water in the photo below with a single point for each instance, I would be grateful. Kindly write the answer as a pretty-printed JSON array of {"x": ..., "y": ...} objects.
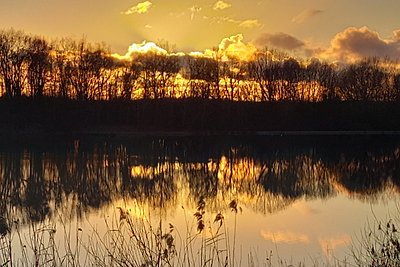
[{"x": 265, "y": 174}]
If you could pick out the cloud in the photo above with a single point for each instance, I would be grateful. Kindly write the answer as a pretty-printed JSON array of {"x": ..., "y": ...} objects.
[
  {"x": 279, "y": 40},
  {"x": 235, "y": 47},
  {"x": 285, "y": 237},
  {"x": 354, "y": 44},
  {"x": 140, "y": 8},
  {"x": 230, "y": 47},
  {"x": 141, "y": 48},
  {"x": 306, "y": 14},
  {"x": 221, "y": 5},
  {"x": 194, "y": 10},
  {"x": 250, "y": 23}
]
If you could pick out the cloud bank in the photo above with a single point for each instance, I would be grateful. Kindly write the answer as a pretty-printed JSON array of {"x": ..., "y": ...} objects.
[{"x": 354, "y": 44}]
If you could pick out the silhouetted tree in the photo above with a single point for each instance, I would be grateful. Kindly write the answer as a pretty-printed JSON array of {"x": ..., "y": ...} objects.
[
  {"x": 232, "y": 72},
  {"x": 158, "y": 73},
  {"x": 128, "y": 73},
  {"x": 326, "y": 76},
  {"x": 362, "y": 81},
  {"x": 290, "y": 75},
  {"x": 38, "y": 66},
  {"x": 203, "y": 76},
  {"x": 261, "y": 71},
  {"x": 88, "y": 71},
  {"x": 14, "y": 47}
]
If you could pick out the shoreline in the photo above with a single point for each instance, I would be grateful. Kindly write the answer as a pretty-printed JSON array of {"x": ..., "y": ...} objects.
[{"x": 166, "y": 133}]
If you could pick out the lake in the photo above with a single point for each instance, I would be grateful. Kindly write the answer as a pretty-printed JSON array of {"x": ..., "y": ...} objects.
[{"x": 188, "y": 200}]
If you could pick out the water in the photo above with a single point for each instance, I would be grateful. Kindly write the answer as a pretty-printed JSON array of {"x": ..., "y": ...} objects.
[{"x": 301, "y": 199}]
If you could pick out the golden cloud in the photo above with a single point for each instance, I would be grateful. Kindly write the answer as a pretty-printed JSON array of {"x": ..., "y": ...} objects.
[
  {"x": 229, "y": 47},
  {"x": 140, "y": 8},
  {"x": 250, "y": 23},
  {"x": 221, "y": 5},
  {"x": 142, "y": 48},
  {"x": 235, "y": 47}
]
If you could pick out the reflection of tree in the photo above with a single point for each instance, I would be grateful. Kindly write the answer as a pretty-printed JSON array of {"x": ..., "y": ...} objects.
[{"x": 78, "y": 178}]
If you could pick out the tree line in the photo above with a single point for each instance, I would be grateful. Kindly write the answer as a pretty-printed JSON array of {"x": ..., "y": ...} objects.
[{"x": 34, "y": 67}]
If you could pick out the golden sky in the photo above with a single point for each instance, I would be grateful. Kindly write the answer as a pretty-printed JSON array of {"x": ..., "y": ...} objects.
[{"x": 336, "y": 29}]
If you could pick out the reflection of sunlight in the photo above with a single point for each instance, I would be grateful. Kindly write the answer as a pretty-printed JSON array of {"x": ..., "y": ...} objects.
[
  {"x": 141, "y": 171},
  {"x": 329, "y": 245},
  {"x": 285, "y": 237},
  {"x": 132, "y": 208}
]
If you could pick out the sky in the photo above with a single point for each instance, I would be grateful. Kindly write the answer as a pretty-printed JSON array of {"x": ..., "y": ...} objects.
[{"x": 333, "y": 29}]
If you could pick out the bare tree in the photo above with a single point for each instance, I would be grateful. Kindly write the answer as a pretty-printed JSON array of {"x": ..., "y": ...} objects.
[
  {"x": 232, "y": 72},
  {"x": 325, "y": 75},
  {"x": 129, "y": 72},
  {"x": 362, "y": 81},
  {"x": 38, "y": 66},
  {"x": 158, "y": 73},
  {"x": 14, "y": 47},
  {"x": 203, "y": 76}
]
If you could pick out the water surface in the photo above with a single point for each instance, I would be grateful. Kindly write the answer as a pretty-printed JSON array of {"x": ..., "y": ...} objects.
[{"x": 303, "y": 198}]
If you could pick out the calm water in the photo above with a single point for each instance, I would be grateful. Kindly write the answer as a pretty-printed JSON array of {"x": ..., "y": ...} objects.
[{"x": 303, "y": 198}]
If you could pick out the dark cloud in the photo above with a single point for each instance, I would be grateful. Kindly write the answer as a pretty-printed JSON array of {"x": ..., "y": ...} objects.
[
  {"x": 356, "y": 43},
  {"x": 279, "y": 40}
]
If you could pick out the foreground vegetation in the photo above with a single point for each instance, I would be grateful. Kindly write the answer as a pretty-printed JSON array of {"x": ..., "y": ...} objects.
[{"x": 145, "y": 241}]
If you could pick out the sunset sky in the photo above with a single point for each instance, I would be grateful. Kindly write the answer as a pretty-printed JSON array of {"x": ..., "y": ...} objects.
[{"x": 334, "y": 29}]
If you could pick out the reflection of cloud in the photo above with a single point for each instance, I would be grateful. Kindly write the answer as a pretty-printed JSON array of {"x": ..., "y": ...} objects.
[
  {"x": 140, "y": 8},
  {"x": 305, "y": 209},
  {"x": 329, "y": 245},
  {"x": 285, "y": 237},
  {"x": 194, "y": 10},
  {"x": 306, "y": 14},
  {"x": 356, "y": 43},
  {"x": 250, "y": 23},
  {"x": 221, "y": 5},
  {"x": 279, "y": 40}
]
